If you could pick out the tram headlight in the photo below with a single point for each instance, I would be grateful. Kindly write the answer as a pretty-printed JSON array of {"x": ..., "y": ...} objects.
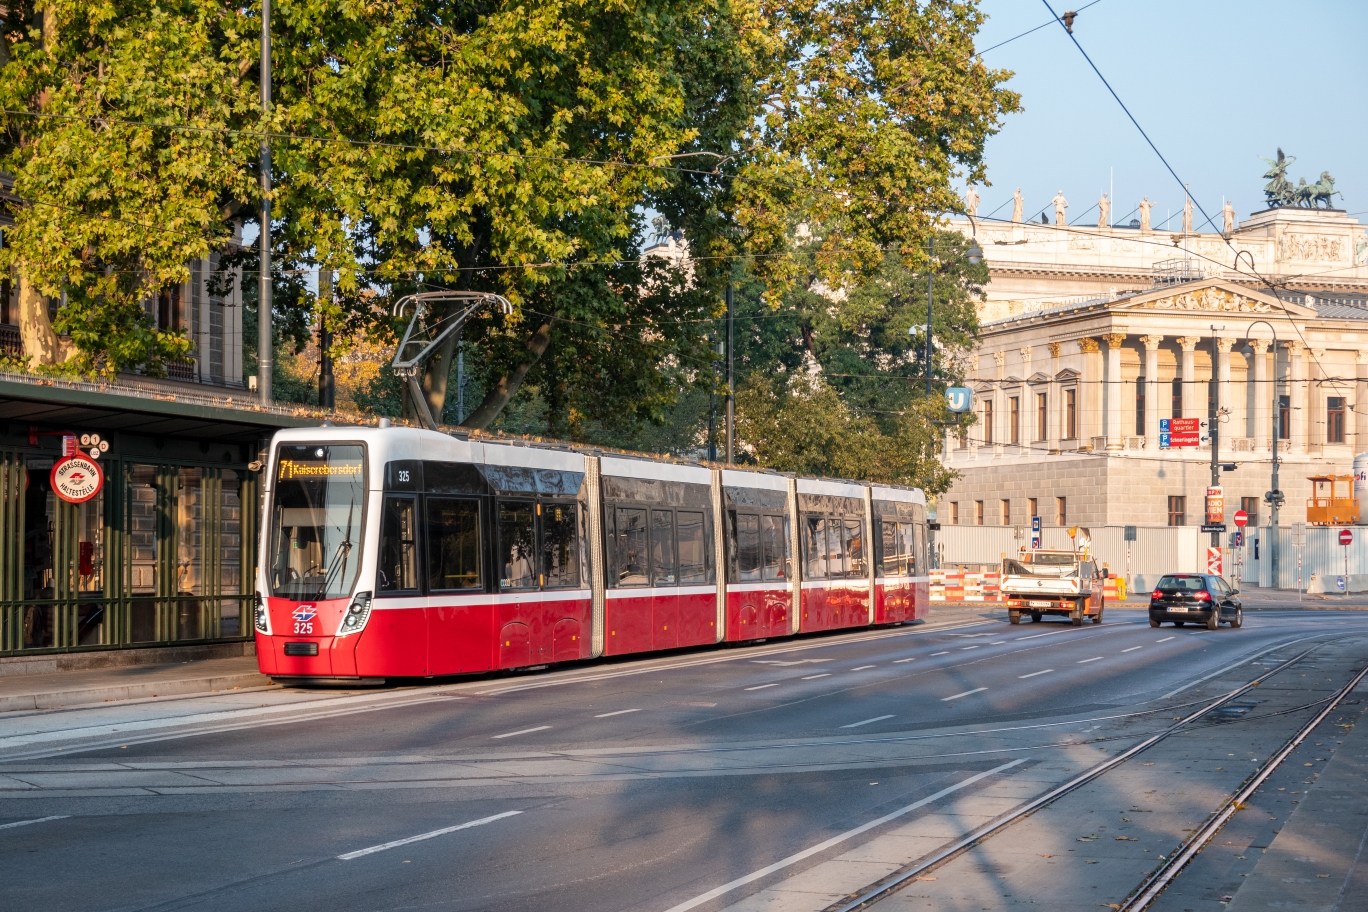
[
  {"x": 261, "y": 617},
  {"x": 354, "y": 621}
]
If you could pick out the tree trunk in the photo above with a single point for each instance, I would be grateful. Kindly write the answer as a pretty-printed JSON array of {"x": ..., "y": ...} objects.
[
  {"x": 436, "y": 376},
  {"x": 41, "y": 343},
  {"x": 507, "y": 386}
]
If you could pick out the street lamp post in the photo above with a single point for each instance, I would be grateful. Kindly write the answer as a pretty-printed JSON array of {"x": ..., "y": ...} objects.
[{"x": 1274, "y": 497}]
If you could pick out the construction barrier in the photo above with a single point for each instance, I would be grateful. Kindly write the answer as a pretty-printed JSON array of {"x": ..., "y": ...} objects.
[{"x": 956, "y": 584}]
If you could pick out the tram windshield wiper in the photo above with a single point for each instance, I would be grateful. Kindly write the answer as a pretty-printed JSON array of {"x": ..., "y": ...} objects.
[{"x": 339, "y": 561}]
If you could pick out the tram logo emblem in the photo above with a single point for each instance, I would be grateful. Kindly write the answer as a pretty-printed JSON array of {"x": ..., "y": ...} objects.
[
  {"x": 305, "y": 613},
  {"x": 76, "y": 479}
]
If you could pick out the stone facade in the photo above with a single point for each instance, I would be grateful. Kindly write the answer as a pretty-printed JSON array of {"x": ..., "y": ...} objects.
[{"x": 1069, "y": 393}]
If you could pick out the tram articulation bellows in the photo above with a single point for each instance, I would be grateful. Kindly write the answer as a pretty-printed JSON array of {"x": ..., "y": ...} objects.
[{"x": 427, "y": 339}]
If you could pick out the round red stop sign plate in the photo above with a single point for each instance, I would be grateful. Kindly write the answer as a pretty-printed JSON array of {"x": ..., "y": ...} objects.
[
  {"x": 1241, "y": 518},
  {"x": 1346, "y": 537}
]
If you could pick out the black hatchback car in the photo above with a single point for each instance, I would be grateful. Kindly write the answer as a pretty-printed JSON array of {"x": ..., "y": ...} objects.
[{"x": 1195, "y": 598}]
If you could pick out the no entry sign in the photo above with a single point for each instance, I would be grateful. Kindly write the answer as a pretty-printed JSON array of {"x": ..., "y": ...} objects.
[
  {"x": 1241, "y": 518},
  {"x": 1346, "y": 537}
]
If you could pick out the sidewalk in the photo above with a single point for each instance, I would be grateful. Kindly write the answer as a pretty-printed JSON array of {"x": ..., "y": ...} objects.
[{"x": 101, "y": 685}]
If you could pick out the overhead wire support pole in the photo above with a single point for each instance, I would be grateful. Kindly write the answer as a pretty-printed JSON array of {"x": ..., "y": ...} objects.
[
  {"x": 1213, "y": 424},
  {"x": 265, "y": 335},
  {"x": 1274, "y": 497},
  {"x": 731, "y": 384},
  {"x": 420, "y": 341}
]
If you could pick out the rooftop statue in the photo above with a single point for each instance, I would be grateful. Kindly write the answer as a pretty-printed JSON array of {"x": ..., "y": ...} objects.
[{"x": 1279, "y": 191}]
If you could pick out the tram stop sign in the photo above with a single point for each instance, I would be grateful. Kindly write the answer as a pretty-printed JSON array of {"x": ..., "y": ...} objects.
[{"x": 1346, "y": 537}]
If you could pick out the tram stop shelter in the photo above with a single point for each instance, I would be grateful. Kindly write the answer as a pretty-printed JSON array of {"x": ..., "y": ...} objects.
[{"x": 164, "y": 554}]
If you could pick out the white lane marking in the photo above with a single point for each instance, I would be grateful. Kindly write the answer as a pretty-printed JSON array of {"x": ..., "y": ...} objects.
[
  {"x": 900, "y": 661},
  {"x": 962, "y": 648},
  {"x": 867, "y": 721},
  {"x": 835, "y": 840},
  {"x": 934, "y": 654},
  {"x": 19, "y": 823},
  {"x": 1133, "y": 648},
  {"x": 965, "y": 694},
  {"x": 1093, "y": 659},
  {"x": 763, "y": 686},
  {"x": 620, "y": 712},
  {"x": 525, "y": 731},
  {"x": 864, "y": 667},
  {"x": 825, "y": 674},
  {"x": 1165, "y": 639},
  {"x": 999, "y": 643},
  {"x": 442, "y": 832},
  {"x": 1234, "y": 665},
  {"x": 1034, "y": 673},
  {"x": 1036, "y": 636}
]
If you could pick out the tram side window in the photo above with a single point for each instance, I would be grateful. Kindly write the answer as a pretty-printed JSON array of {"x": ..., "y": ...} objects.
[
  {"x": 853, "y": 539},
  {"x": 629, "y": 547},
  {"x": 453, "y": 544},
  {"x": 517, "y": 536},
  {"x": 398, "y": 545},
  {"x": 748, "y": 547},
  {"x": 913, "y": 542},
  {"x": 837, "y": 565},
  {"x": 775, "y": 534},
  {"x": 815, "y": 548},
  {"x": 560, "y": 545},
  {"x": 693, "y": 548},
  {"x": 894, "y": 553},
  {"x": 662, "y": 548}
]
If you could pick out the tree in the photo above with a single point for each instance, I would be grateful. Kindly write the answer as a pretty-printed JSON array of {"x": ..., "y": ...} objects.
[{"x": 493, "y": 146}]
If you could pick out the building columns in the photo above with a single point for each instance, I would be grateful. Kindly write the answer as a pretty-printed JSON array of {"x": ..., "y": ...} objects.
[
  {"x": 1152, "y": 344},
  {"x": 1316, "y": 435},
  {"x": 1189, "y": 344},
  {"x": 1296, "y": 387},
  {"x": 1088, "y": 401},
  {"x": 1054, "y": 409},
  {"x": 1361, "y": 401},
  {"x": 1263, "y": 394},
  {"x": 1113, "y": 403},
  {"x": 999, "y": 420}
]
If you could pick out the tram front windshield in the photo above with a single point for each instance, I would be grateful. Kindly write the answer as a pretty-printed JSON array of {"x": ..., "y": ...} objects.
[{"x": 316, "y": 514}]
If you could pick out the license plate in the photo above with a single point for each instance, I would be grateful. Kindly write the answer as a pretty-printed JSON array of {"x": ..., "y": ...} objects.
[
  {"x": 1039, "y": 604},
  {"x": 1177, "y": 608}
]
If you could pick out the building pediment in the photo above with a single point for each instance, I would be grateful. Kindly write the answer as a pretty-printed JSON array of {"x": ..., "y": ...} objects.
[
  {"x": 1038, "y": 377},
  {"x": 1067, "y": 373},
  {"x": 1213, "y": 296}
]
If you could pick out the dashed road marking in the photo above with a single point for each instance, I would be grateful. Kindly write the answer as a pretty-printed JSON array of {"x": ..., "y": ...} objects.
[
  {"x": 1165, "y": 639},
  {"x": 763, "y": 686},
  {"x": 867, "y": 721},
  {"x": 1093, "y": 659},
  {"x": 864, "y": 667},
  {"x": 620, "y": 712},
  {"x": 1133, "y": 648},
  {"x": 934, "y": 654},
  {"x": 1034, "y": 673},
  {"x": 442, "y": 832},
  {"x": 825, "y": 674},
  {"x": 900, "y": 661},
  {"x": 525, "y": 731},
  {"x": 19, "y": 823},
  {"x": 965, "y": 694},
  {"x": 962, "y": 648}
]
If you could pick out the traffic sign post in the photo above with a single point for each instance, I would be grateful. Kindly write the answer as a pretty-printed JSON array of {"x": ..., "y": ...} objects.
[
  {"x": 1346, "y": 538},
  {"x": 1035, "y": 533}
]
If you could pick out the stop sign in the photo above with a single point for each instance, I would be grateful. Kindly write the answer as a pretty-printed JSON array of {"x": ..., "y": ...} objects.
[
  {"x": 1241, "y": 518},
  {"x": 1346, "y": 537}
]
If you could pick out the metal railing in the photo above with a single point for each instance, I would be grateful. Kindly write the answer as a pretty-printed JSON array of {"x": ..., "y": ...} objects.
[{"x": 95, "y": 622}]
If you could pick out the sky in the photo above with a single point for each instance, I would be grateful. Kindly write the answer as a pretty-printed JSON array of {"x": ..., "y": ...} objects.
[{"x": 1216, "y": 85}]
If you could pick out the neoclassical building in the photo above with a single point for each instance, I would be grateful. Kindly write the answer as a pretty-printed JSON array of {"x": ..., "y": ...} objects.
[{"x": 1070, "y": 392}]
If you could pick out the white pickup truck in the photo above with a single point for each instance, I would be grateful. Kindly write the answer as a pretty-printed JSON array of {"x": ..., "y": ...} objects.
[{"x": 1041, "y": 582}]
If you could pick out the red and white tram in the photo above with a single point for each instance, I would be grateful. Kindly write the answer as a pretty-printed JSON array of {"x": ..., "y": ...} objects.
[{"x": 394, "y": 552}]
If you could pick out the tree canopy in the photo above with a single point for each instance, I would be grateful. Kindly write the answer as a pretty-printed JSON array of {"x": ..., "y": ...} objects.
[{"x": 485, "y": 145}]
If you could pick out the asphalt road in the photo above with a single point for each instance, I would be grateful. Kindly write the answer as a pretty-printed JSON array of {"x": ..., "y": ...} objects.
[{"x": 743, "y": 778}]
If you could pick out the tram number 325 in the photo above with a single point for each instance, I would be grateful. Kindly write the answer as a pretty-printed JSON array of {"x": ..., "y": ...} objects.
[{"x": 303, "y": 619}]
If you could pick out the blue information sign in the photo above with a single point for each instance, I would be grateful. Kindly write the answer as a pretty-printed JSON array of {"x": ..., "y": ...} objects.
[{"x": 1035, "y": 532}]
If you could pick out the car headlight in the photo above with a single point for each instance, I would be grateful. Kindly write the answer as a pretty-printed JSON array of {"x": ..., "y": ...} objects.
[
  {"x": 261, "y": 616},
  {"x": 354, "y": 621}
]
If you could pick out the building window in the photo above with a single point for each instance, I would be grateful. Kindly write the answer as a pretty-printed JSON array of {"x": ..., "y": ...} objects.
[
  {"x": 1177, "y": 512},
  {"x": 987, "y": 420},
  {"x": 169, "y": 308},
  {"x": 1334, "y": 419},
  {"x": 1140, "y": 406},
  {"x": 978, "y": 512},
  {"x": 954, "y": 513},
  {"x": 1042, "y": 417},
  {"x": 1284, "y": 417},
  {"x": 1070, "y": 414},
  {"x": 1177, "y": 397},
  {"x": 1014, "y": 420},
  {"x": 1061, "y": 512},
  {"x": 1032, "y": 507},
  {"x": 1006, "y": 512},
  {"x": 1251, "y": 506}
]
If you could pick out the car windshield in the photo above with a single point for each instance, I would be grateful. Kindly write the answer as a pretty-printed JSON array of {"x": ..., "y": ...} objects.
[
  {"x": 1182, "y": 583},
  {"x": 316, "y": 520}
]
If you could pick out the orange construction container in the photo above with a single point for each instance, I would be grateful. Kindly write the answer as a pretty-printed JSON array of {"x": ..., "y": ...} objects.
[{"x": 1333, "y": 503}]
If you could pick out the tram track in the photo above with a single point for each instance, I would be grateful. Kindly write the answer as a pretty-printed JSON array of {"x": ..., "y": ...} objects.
[{"x": 1153, "y": 885}]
